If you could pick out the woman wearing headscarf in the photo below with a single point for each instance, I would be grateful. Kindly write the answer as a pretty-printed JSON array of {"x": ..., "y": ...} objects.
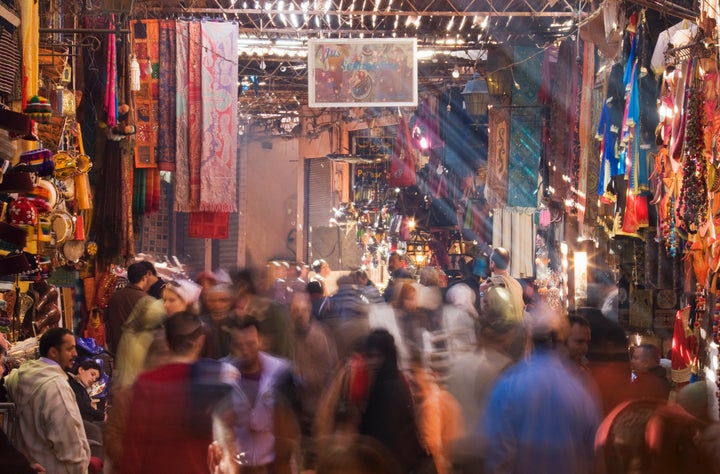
[
  {"x": 459, "y": 317},
  {"x": 389, "y": 416}
]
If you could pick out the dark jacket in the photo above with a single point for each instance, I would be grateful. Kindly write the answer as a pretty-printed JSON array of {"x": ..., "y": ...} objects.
[
  {"x": 84, "y": 402},
  {"x": 119, "y": 308},
  {"x": 389, "y": 416}
]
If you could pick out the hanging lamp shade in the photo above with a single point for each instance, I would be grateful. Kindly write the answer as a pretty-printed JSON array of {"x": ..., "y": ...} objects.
[{"x": 476, "y": 96}]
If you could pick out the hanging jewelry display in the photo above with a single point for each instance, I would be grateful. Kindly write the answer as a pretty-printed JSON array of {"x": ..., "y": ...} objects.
[
  {"x": 671, "y": 243},
  {"x": 693, "y": 207}
]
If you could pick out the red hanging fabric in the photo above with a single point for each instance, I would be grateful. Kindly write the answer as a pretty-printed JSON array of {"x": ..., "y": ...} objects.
[{"x": 402, "y": 166}]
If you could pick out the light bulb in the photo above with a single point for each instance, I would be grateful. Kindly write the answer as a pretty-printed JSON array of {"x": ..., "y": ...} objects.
[
  {"x": 262, "y": 64},
  {"x": 455, "y": 73},
  {"x": 148, "y": 67}
]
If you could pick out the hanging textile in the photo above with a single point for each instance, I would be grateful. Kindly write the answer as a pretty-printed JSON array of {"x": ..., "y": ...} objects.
[
  {"x": 111, "y": 78},
  {"x": 647, "y": 88},
  {"x": 218, "y": 190},
  {"x": 525, "y": 130},
  {"x": 563, "y": 154},
  {"x": 181, "y": 202},
  {"x": 588, "y": 164},
  {"x": 496, "y": 189},
  {"x": 109, "y": 202},
  {"x": 641, "y": 308},
  {"x": 682, "y": 93},
  {"x": 139, "y": 191},
  {"x": 514, "y": 229},
  {"x": 195, "y": 112},
  {"x": 152, "y": 190},
  {"x": 402, "y": 164},
  {"x": 127, "y": 170},
  {"x": 146, "y": 37},
  {"x": 30, "y": 41},
  {"x": 209, "y": 225},
  {"x": 166, "y": 96}
]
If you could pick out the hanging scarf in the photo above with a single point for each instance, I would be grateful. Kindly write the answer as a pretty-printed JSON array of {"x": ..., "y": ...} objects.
[{"x": 218, "y": 165}]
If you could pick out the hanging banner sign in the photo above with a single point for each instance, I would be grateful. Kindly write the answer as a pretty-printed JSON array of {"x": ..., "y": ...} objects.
[{"x": 363, "y": 72}]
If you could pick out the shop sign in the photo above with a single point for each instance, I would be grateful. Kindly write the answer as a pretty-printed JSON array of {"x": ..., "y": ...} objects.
[{"x": 362, "y": 72}]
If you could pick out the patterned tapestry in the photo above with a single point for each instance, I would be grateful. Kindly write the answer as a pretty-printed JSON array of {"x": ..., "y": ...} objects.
[
  {"x": 525, "y": 143},
  {"x": 496, "y": 189},
  {"x": 525, "y": 130},
  {"x": 195, "y": 99},
  {"x": 146, "y": 35},
  {"x": 187, "y": 118},
  {"x": 181, "y": 202},
  {"x": 218, "y": 191},
  {"x": 166, "y": 101}
]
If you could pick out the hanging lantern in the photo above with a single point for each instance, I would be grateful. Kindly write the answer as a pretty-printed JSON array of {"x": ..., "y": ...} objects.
[
  {"x": 476, "y": 96},
  {"x": 134, "y": 74},
  {"x": 66, "y": 99},
  {"x": 499, "y": 67}
]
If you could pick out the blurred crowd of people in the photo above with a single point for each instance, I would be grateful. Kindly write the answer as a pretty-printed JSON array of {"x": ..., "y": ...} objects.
[{"x": 271, "y": 372}]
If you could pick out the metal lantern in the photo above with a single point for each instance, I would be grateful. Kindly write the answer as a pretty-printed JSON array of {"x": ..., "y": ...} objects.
[{"x": 476, "y": 96}]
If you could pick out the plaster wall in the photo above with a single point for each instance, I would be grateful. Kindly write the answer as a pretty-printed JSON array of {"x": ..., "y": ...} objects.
[{"x": 270, "y": 182}]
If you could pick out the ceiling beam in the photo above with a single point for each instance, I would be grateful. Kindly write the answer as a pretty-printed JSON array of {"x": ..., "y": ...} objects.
[{"x": 341, "y": 13}]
